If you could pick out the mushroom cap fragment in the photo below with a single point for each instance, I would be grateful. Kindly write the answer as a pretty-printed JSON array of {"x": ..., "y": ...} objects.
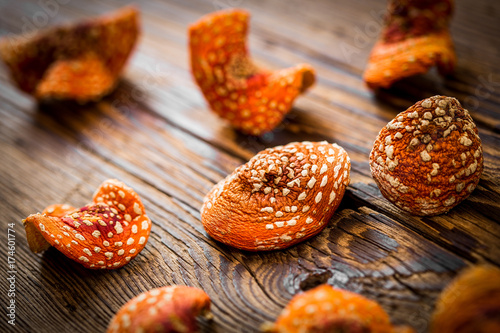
[
  {"x": 81, "y": 61},
  {"x": 470, "y": 304},
  {"x": 105, "y": 234},
  {"x": 428, "y": 158},
  {"x": 253, "y": 100},
  {"x": 167, "y": 309},
  {"x": 282, "y": 196},
  {"x": 327, "y": 309},
  {"x": 415, "y": 38}
]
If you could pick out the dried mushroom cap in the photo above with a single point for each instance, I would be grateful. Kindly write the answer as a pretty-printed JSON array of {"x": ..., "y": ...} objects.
[
  {"x": 470, "y": 304},
  {"x": 167, "y": 309},
  {"x": 281, "y": 197},
  {"x": 429, "y": 158},
  {"x": 327, "y": 309},
  {"x": 105, "y": 234},
  {"x": 253, "y": 100},
  {"x": 415, "y": 38},
  {"x": 80, "y": 62}
]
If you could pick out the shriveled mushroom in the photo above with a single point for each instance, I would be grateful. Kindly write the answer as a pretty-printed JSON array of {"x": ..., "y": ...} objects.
[
  {"x": 470, "y": 304},
  {"x": 429, "y": 158},
  {"x": 106, "y": 233},
  {"x": 168, "y": 310},
  {"x": 79, "y": 62},
  {"x": 325, "y": 309},
  {"x": 252, "y": 99},
  {"x": 282, "y": 196},
  {"x": 415, "y": 38}
]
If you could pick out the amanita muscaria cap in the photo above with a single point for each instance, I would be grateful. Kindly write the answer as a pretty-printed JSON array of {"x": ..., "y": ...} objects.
[
  {"x": 79, "y": 62},
  {"x": 429, "y": 158},
  {"x": 415, "y": 38},
  {"x": 168, "y": 310},
  {"x": 327, "y": 309},
  {"x": 470, "y": 304},
  {"x": 282, "y": 196},
  {"x": 252, "y": 99},
  {"x": 106, "y": 233}
]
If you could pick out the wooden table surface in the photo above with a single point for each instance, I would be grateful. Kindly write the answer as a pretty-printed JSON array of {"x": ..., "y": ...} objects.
[{"x": 156, "y": 134}]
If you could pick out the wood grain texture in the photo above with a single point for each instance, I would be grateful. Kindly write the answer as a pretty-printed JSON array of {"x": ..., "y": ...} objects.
[{"x": 156, "y": 134}]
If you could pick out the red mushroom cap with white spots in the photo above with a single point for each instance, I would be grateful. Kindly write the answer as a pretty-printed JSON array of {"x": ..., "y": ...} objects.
[
  {"x": 167, "y": 310},
  {"x": 429, "y": 158},
  {"x": 253, "y": 100},
  {"x": 105, "y": 234},
  {"x": 281, "y": 197},
  {"x": 80, "y": 61},
  {"x": 326, "y": 309}
]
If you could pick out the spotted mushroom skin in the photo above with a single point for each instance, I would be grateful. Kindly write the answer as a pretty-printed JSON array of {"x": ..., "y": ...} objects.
[
  {"x": 37, "y": 242},
  {"x": 470, "y": 303},
  {"x": 53, "y": 63},
  {"x": 253, "y": 100},
  {"x": 168, "y": 310},
  {"x": 282, "y": 196},
  {"x": 429, "y": 158},
  {"x": 326, "y": 309},
  {"x": 105, "y": 234},
  {"x": 415, "y": 38},
  {"x": 58, "y": 210}
]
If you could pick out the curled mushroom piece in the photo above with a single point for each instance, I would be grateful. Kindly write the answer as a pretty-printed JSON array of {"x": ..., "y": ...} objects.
[
  {"x": 282, "y": 196},
  {"x": 326, "y": 309},
  {"x": 253, "y": 100},
  {"x": 415, "y": 38},
  {"x": 79, "y": 62},
  {"x": 106, "y": 233},
  {"x": 168, "y": 310},
  {"x": 470, "y": 304},
  {"x": 429, "y": 158}
]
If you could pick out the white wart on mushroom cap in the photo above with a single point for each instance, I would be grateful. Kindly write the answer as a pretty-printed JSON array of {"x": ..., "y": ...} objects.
[
  {"x": 105, "y": 234},
  {"x": 282, "y": 196},
  {"x": 429, "y": 158}
]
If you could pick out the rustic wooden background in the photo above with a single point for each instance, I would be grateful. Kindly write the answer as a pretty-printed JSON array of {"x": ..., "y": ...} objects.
[{"x": 156, "y": 134}]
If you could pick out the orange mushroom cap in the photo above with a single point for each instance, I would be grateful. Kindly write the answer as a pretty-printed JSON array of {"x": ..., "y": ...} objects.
[
  {"x": 168, "y": 310},
  {"x": 429, "y": 158},
  {"x": 253, "y": 100},
  {"x": 470, "y": 304},
  {"x": 79, "y": 62},
  {"x": 282, "y": 196},
  {"x": 58, "y": 210},
  {"x": 105, "y": 234},
  {"x": 415, "y": 38},
  {"x": 326, "y": 309}
]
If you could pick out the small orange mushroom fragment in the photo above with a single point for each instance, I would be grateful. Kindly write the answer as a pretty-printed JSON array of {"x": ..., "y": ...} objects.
[
  {"x": 327, "y": 309},
  {"x": 253, "y": 100},
  {"x": 169, "y": 309},
  {"x": 428, "y": 158},
  {"x": 105, "y": 234},
  {"x": 415, "y": 38},
  {"x": 79, "y": 62},
  {"x": 282, "y": 196},
  {"x": 470, "y": 304}
]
